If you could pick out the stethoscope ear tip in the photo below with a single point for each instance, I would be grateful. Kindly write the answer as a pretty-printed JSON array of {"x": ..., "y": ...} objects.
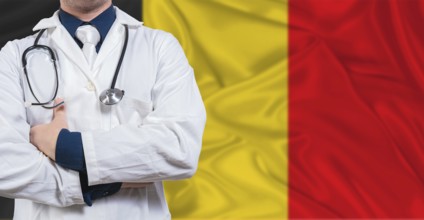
[{"x": 27, "y": 104}]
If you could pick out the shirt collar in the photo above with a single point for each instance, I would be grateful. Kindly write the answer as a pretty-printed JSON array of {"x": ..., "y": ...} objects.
[{"x": 102, "y": 22}]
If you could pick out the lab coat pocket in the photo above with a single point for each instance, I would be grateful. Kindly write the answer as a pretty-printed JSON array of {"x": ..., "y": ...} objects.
[{"x": 132, "y": 111}]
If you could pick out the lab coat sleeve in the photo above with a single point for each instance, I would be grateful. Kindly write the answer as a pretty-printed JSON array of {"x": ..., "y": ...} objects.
[
  {"x": 166, "y": 146},
  {"x": 24, "y": 171}
]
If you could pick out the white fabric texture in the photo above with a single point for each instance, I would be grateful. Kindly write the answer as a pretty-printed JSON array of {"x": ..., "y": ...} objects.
[
  {"x": 90, "y": 37},
  {"x": 153, "y": 134}
]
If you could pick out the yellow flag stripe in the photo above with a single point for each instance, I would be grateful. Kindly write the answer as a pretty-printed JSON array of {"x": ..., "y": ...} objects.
[{"x": 238, "y": 50}]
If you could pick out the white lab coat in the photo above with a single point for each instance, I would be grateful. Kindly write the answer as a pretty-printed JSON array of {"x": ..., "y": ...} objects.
[{"x": 154, "y": 134}]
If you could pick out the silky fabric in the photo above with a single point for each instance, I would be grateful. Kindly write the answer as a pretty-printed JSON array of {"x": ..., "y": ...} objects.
[
  {"x": 238, "y": 49},
  {"x": 89, "y": 37},
  {"x": 153, "y": 134},
  {"x": 356, "y": 109}
]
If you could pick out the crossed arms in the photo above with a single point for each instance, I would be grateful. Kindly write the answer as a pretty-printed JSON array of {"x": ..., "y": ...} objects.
[{"x": 166, "y": 146}]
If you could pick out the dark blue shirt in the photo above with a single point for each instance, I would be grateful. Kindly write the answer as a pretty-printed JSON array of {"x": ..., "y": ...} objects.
[
  {"x": 69, "y": 146},
  {"x": 102, "y": 22}
]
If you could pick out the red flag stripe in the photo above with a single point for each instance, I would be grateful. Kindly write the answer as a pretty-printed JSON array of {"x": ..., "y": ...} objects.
[{"x": 356, "y": 104}]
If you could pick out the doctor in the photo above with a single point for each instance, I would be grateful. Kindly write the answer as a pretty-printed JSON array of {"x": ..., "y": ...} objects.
[{"x": 86, "y": 159}]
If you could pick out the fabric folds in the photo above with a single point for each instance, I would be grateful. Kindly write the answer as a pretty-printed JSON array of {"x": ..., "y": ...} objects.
[
  {"x": 238, "y": 50},
  {"x": 356, "y": 123}
]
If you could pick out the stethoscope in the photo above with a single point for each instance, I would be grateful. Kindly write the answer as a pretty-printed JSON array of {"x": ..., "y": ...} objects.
[{"x": 109, "y": 96}]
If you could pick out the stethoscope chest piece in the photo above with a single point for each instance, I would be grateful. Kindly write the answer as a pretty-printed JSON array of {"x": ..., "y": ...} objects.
[{"x": 111, "y": 96}]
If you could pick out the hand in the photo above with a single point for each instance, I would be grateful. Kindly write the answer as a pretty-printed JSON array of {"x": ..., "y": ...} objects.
[
  {"x": 44, "y": 136},
  {"x": 134, "y": 185}
]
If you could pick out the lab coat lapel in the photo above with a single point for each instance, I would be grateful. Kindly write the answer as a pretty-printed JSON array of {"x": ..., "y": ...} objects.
[
  {"x": 110, "y": 43},
  {"x": 64, "y": 42},
  {"x": 115, "y": 37}
]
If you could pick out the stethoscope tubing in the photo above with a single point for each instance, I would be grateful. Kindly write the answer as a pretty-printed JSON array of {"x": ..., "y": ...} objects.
[
  {"x": 54, "y": 60},
  {"x": 121, "y": 58}
]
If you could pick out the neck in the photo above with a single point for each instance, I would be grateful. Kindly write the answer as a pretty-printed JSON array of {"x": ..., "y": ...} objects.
[{"x": 85, "y": 14}]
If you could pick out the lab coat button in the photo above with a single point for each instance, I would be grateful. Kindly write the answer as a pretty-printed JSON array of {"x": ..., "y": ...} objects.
[{"x": 90, "y": 87}]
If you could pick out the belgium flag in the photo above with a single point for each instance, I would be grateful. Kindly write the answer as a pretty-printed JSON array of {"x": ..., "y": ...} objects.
[
  {"x": 238, "y": 50},
  {"x": 315, "y": 107}
]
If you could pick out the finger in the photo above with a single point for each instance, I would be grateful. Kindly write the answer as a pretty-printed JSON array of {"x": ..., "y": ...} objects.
[
  {"x": 60, "y": 110},
  {"x": 59, "y": 114},
  {"x": 31, "y": 135}
]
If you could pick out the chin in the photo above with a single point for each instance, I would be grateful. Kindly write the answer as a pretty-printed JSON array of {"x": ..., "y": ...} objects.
[{"x": 85, "y": 6}]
